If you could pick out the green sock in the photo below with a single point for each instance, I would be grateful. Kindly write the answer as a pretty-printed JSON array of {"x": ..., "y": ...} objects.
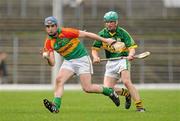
[
  {"x": 57, "y": 102},
  {"x": 107, "y": 91}
]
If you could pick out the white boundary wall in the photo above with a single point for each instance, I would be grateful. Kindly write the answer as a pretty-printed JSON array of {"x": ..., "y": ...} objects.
[{"x": 169, "y": 86}]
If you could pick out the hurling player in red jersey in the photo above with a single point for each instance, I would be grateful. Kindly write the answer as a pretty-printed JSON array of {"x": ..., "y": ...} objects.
[{"x": 76, "y": 61}]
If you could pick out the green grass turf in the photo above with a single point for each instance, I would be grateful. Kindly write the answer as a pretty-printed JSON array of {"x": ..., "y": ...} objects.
[{"x": 161, "y": 105}]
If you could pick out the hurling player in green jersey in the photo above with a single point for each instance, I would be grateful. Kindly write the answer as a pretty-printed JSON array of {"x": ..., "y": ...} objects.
[
  {"x": 118, "y": 70},
  {"x": 76, "y": 61}
]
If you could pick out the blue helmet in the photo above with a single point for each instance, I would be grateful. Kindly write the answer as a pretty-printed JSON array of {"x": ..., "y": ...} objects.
[
  {"x": 50, "y": 21},
  {"x": 111, "y": 16}
]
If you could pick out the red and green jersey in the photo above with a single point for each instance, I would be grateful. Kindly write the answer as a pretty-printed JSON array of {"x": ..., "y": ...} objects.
[
  {"x": 66, "y": 44},
  {"x": 120, "y": 35}
]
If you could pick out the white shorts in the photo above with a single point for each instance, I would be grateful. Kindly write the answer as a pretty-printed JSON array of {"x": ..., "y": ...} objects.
[
  {"x": 114, "y": 68},
  {"x": 79, "y": 66}
]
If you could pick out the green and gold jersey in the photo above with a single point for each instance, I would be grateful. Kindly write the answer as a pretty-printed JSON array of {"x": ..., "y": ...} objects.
[
  {"x": 66, "y": 44},
  {"x": 120, "y": 35}
]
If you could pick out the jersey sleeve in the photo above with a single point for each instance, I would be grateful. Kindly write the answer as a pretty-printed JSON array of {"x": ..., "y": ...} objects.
[
  {"x": 47, "y": 45},
  {"x": 96, "y": 45},
  {"x": 69, "y": 33},
  {"x": 128, "y": 40}
]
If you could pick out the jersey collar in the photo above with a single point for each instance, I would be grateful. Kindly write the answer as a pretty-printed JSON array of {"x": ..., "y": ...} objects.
[
  {"x": 112, "y": 34},
  {"x": 59, "y": 30}
]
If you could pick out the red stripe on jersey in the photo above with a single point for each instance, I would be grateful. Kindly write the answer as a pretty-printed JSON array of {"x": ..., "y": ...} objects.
[
  {"x": 47, "y": 45},
  {"x": 69, "y": 33}
]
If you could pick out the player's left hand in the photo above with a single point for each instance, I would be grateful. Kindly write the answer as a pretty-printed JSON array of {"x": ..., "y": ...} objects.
[
  {"x": 130, "y": 57},
  {"x": 96, "y": 60}
]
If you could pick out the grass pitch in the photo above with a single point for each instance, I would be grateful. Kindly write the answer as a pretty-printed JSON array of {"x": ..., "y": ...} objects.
[{"x": 161, "y": 105}]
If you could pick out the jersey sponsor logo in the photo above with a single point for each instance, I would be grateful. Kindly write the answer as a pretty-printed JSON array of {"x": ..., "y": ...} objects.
[
  {"x": 108, "y": 47},
  {"x": 69, "y": 47}
]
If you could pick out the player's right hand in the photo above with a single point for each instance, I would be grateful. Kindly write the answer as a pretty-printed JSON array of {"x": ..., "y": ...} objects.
[
  {"x": 96, "y": 60},
  {"x": 43, "y": 50}
]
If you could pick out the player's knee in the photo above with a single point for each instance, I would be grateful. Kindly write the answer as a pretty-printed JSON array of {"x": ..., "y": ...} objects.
[
  {"x": 59, "y": 80},
  {"x": 127, "y": 83}
]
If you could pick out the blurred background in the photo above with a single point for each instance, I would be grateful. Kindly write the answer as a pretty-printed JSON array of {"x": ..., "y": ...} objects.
[{"x": 154, "y": 25}]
